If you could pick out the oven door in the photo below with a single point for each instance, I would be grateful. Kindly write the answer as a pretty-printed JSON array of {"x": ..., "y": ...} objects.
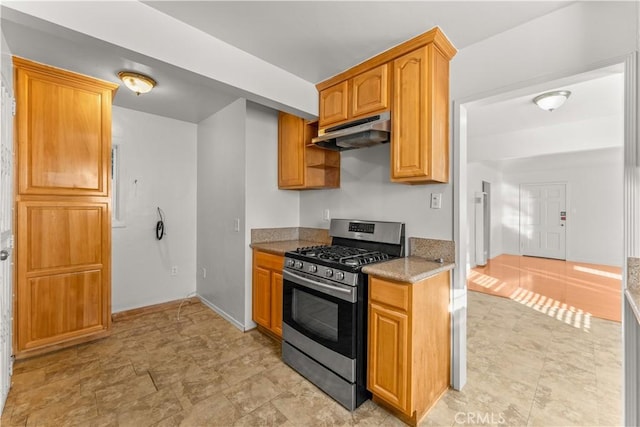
[{"x": 323, "y": 311}]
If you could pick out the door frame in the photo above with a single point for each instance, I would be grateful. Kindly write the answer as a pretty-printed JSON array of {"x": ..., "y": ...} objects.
[{"x": 631, "y": 184}]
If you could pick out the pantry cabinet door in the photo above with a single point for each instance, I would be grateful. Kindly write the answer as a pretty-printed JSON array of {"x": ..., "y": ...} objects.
[{"x": 63, "y": 286}]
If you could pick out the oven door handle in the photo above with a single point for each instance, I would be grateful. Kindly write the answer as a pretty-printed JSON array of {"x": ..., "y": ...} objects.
[{"x": 350, "y": 294}]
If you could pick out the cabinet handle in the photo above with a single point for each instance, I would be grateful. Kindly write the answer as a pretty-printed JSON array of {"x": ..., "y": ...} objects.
[{"x": 4, "y": 254}]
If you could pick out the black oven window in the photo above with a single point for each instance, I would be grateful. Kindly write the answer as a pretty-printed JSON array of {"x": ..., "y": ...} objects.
[{"x": 315, "y": 314}]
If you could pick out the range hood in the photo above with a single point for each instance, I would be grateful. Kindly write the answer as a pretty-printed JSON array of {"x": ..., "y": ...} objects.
[{"x": 359, "y": 133}]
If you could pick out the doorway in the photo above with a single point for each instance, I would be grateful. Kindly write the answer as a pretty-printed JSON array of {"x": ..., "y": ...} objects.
[{"x": 462, "y": 231}]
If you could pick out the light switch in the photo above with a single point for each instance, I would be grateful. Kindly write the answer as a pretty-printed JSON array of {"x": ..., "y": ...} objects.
[
  {"x": 236, "y": 224},
  {"x": 436, "y": 200}
]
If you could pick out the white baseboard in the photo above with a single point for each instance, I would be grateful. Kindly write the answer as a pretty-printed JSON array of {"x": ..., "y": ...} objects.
[{"x": 222, "y": 313}]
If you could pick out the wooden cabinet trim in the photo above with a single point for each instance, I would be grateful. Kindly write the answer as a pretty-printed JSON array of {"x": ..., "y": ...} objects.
[
  {"x": 434, "y": 36},
  {"x": 45, "y": 69}
]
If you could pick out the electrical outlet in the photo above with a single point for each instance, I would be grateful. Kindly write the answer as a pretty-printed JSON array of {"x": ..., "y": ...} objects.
[
  {"x": 436, "y": 200},
  {"x": 236, "y": 224},
  {"x": 326, "y": 215},
  {"x": 174, "y": 270},
  {"x": 204, "y": 273}
]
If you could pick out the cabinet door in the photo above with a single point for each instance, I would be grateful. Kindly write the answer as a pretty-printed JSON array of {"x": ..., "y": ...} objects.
[
  {"x": 290, "y": 151},
  {"x": 276, "y": 303},
  {"x": 334, "y": 104},
  {"x": 63, "y": 267},
  {"x": 388, "y": 376},
  {"x": 410, "y": 123},
  {"x": 64, "y": 132},
  {"x": 370, "y": 92},
  {"x": 262, "y": 297}
]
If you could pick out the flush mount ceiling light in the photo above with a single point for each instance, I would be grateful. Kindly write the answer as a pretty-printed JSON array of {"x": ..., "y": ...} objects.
[
  {"x": 551, "y": 100},
  {"x": 139, "y": 83}
]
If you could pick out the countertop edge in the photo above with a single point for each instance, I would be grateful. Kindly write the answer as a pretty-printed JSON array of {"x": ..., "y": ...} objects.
[
  {"x": 279, "y": 247},
  {"x": 379, "y": 270},
  {"x": 634, "y": 303}
]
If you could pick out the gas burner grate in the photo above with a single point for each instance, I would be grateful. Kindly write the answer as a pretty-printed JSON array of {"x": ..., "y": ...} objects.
[{"x": 346, "y": 255}]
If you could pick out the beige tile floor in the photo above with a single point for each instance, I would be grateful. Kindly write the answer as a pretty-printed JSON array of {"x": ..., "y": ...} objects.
[{"x": 525, "y": 368}]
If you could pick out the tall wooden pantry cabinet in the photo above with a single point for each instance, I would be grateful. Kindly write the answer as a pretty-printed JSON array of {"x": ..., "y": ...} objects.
[{"x": 63, "y": 208}]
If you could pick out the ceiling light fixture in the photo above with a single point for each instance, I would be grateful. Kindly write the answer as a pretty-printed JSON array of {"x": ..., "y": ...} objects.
[
  {"x": 551, "y": 100},
  {"x": 139, "y": 83}
]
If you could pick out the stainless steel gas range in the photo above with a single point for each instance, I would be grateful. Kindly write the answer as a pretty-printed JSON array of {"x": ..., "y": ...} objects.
[{"x": 325, "y": 305}]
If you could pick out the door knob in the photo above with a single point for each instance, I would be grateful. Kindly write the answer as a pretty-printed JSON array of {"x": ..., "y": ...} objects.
[{"x": 4, "y": 255}]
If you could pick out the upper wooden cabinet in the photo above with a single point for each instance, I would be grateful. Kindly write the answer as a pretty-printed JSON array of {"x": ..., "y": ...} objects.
[
  {"x": 63, "y": 130},
  {"x": 334, "y": 104},
  {"x": 370, "y": 92},
  {"x": 420, "y": 117},
  {"x": 359, "y": 96},
  {"x": 412, "y": 80},
  {"x": 301, "y": 165},
  {"x": 63, "y": 208}
]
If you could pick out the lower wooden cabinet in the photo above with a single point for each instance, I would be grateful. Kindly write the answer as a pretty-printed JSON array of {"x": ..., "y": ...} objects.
[
  {"x": 409, "y": 342},
  {"x": 267, "y": 291}
]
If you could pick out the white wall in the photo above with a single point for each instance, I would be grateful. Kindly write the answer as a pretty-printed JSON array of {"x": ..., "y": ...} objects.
[
  {"x": 266, "y": 206},
  {"x": 237, "y": 178},
  {"x": 221, "y": 200},
  {"x": 476, "y": 173},
  {"x": 157, "y": 169},
  {"x": 565, "y": 41},
  {"x": 366, "y": 193},
  {"x": 594, "y": 201},
  {"x": 589, "y": 134}
]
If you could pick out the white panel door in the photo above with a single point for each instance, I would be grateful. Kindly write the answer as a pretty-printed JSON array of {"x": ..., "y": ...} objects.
[{"x": 543, "y": 220}]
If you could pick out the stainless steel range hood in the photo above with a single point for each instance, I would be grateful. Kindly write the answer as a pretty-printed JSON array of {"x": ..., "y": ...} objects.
[{"x": 359, "y": 133}]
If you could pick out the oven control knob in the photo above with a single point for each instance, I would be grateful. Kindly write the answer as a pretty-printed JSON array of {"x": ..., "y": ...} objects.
[
  {"x": 339, "y": 275},
  {"x": 329, "y": 272},
  {"x": 298, "y": 264},
  {"x": 313, "y": 268},
  {"x": 290, "y": 263}
]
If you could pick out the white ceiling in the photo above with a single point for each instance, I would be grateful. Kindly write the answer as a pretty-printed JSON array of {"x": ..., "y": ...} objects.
[
  {"x": 318, "y": 39},
  {"x": 313, "y": 40},
  {"x": 512, "y": 126}
]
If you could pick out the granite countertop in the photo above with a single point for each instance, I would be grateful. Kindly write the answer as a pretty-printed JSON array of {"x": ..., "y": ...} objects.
[
  {"x": 282, "y": 246},
  {"x": 411, "y": 269},
  {"x": 633, "y": 285}
]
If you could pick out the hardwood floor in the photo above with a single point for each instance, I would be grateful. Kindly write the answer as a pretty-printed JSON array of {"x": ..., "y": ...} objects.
[{"x": 574, "y": 291}]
